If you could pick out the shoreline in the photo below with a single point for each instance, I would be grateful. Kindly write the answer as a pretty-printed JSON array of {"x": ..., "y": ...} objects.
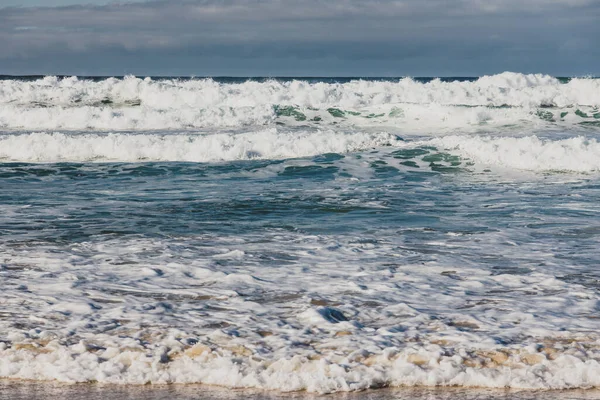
[{"x": 15, "y": 389}]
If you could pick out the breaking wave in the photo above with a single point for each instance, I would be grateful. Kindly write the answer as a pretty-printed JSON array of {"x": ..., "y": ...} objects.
[
  {"x": 128, "y": 147},
  {"x": 132, "y": 103},
  {"x": 532, "y": 153}
]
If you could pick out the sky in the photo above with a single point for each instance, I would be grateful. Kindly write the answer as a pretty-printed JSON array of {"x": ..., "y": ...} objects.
[{"x": 299, "y": 38}]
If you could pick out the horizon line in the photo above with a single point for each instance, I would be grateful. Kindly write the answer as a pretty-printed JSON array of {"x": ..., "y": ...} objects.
[{"x": 191, "y": 76}]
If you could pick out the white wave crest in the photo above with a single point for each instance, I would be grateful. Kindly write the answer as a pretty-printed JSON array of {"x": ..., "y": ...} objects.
[
  {"x": 532, "y": 153},
  {"x": 265, "y": 144},
  {"x": 134, "y": 103}
]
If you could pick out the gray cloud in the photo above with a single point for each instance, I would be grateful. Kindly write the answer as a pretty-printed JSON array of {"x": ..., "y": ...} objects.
[
  {"x": 58, "y": 3},
  {"x": 312, "y": 37}
]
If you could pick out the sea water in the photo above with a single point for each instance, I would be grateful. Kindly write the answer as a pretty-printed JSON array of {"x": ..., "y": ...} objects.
[{"x": 301, "y": 234}]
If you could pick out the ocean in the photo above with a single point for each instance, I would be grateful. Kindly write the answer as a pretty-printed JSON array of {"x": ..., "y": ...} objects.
[{"x": 324, "y": 235}]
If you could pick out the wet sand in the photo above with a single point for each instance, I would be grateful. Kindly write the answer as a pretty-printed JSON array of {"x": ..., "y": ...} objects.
[{"x": 26, "y": 390}]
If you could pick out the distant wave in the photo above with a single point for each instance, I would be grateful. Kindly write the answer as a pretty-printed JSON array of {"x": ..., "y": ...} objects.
[{"x": 142, "y": 104}]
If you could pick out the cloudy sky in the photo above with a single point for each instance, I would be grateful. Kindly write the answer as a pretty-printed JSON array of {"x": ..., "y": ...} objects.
[{"x": 299, "y": 37}]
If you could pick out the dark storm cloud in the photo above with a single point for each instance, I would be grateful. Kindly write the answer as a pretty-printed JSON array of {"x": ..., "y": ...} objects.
[{"x": 277, "y": 37}]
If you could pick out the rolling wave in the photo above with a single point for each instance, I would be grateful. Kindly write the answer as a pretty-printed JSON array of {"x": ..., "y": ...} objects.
[
  {"x": 127, "y": 147},
  {"x": 529, "y": 153}
]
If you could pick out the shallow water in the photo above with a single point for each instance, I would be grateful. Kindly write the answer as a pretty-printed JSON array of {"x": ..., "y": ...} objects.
[{"x": 15, "y": 390}]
